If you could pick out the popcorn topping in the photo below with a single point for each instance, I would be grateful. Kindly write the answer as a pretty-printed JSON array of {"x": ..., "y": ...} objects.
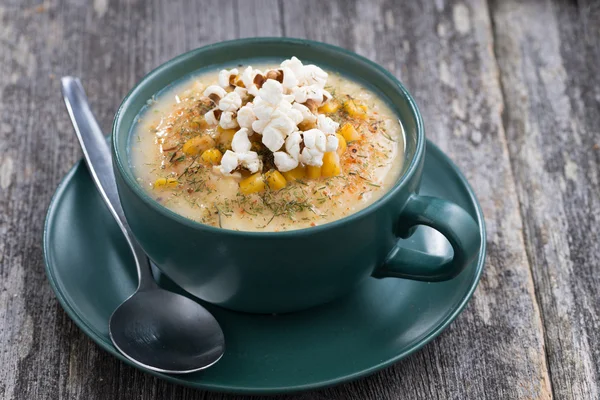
[
  {"x": 314, "y": 75},
  {"x": 214, "y": 92},
  {"x": 248, "y": 80},
  {"x": 231, "y": 102},
  {"x": 292, "y": 145},
  {"x": 250, "y": 161},
  {"x": 272, "y": 92},
  {"x": 240, "y": 142},
  {"x": 304, "y": 93},
  {"x": 327, "y": 125},
  {"x": 229, "y": 162},
  {"x": 226, "y": 77},
  {"x": 332, "y": 143},
  {"x": 211, "y": 117},
  {"x": 245, "y": 116},
  {"x": 228, "y": 120},
  {"x": 284, "y": 161},
  {"x": 289, "y": 78},
  {"x": 241, "y": 154},
  {"x": 307, "y": 116},
  {"x": 315, "y": 144},
  {"x": 242, "y": 92},
  {"x": 306, "y": 74},
  {"x": 283, "y": 98},
  {"x": 295, "y": 65}
]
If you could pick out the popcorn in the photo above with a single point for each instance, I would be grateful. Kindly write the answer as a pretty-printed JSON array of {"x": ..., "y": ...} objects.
[
  {"x": 332, "y": 143},
  {"x": 212, "y": 117},
  {"x": 242, "y": 92},
  {"x": 229, "y": 162},
  {"x": 231, "y": 102},
  {"x": 284, "y": 162},
  {"x": 248, "y": 77},
  {"x": 315, "y": 145},
  {"x": 216, "y": 169},
  {"x": 240, "y": 142},
  {"x": 225, "y": 77},
  {"x": 246, "y": 116},
  {"x": 228, "y": 120},
  {"x": 262, "y": 110},
  {"x": 312, "y": 92},
  {"x": 273, "y": 139},
  {"x": 281, "y": 116},
  {"x": 278, "y": 127},
  {"x": 292, "y": 144},
  {"x": 307, "y": 75},
  {"x": 289, "y": 79},
  {"x": 283, "y": 98},
  {"x": 214, "y": 92},
  {"x": 272, "y": 92},
  {"x": 311, "y": 157},
  {"x": 294, "y": 65},
  {"x": 241, "y": 154},
  {"x": 314, "y": 139},
  {"x": 250, "y": 161},
  {"x": 327, "y": 125},
  {"x": 307, "y": 116},
  {"x": 313, "y": 75}
]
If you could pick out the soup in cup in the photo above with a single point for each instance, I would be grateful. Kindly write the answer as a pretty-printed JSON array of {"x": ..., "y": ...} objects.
[{"x": 272, "y": 175}]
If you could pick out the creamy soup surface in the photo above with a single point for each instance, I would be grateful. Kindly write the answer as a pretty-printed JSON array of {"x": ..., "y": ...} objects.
[{"x": 185, "y": 159}]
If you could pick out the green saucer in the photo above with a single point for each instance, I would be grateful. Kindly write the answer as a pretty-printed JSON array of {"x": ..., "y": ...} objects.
[{"x": 91, "y": 271}]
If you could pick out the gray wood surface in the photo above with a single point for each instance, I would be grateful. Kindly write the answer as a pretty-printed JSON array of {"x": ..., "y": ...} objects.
[
  {"x": 510, "y": 90},
  {"x": 549, "y": 55}
]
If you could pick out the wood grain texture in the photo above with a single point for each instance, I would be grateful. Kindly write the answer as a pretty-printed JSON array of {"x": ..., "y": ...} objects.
[
  {"x": 444, "y": 52},
  {"x": 549, "y": 53}
]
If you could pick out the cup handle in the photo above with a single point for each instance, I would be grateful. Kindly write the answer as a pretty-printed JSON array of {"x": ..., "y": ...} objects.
[{"x": 459, "y": 228}]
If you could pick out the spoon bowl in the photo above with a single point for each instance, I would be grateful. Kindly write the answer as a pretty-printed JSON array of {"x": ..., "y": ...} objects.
[
  {"x": 166, "y": 332},
  {"x": 154, "y": 328}
]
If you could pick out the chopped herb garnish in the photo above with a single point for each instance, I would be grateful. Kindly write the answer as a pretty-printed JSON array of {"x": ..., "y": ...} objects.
[{"x": 387, "y": 136}]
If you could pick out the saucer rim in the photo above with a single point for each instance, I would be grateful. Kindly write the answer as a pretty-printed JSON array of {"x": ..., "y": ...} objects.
[{"x": 108, "y": 347}]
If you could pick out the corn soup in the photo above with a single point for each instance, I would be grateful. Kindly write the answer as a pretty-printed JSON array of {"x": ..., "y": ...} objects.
[{"x": 273, "y": 148}]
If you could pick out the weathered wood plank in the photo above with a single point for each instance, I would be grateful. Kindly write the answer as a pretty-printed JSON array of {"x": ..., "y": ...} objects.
[
  {"x": 442, "y": 51},
  {"x": 549, "y": 53}
]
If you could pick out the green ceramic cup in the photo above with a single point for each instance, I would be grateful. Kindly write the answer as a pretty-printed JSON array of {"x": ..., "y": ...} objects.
[{"x": 276, "y": 272}]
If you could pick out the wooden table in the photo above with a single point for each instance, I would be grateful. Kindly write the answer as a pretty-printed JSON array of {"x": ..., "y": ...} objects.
[{"x": 509, "y": 89}]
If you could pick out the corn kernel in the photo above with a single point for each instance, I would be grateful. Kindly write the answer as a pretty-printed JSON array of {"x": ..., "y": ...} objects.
[
  {"x": 306, "y": 125},
  {"x": 253, "y": 184},
  {"x": 296, "y": 174},
  {"x": 349, "y": 132},
  {"x": 198, "y": 123},
  {"x": 197, "y": 145},
  {"x": 330, "y": 107},
  {"x": 355, "y": 109},
  {"x": 160, "y": 183},
  {"x": 331, "y": 164},
  {"x": 212, "y": 156},
  {"x": 342, "y": 145},
  {"x": 172, "y": 182},
  {"x": 225, "y": 137},
  {"x": 313, "y": 172},
  {"x": 275, "y": 180}
]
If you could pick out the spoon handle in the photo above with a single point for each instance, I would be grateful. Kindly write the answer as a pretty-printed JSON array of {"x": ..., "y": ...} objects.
[{"x": 96, "y": 153}]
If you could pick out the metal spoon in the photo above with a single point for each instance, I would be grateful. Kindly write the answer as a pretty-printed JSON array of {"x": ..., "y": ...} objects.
[{"x": 154, "y": 328}]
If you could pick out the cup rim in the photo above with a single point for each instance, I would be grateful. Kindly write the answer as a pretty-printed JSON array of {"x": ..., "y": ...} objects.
[{"x": 384, "y": 199}]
